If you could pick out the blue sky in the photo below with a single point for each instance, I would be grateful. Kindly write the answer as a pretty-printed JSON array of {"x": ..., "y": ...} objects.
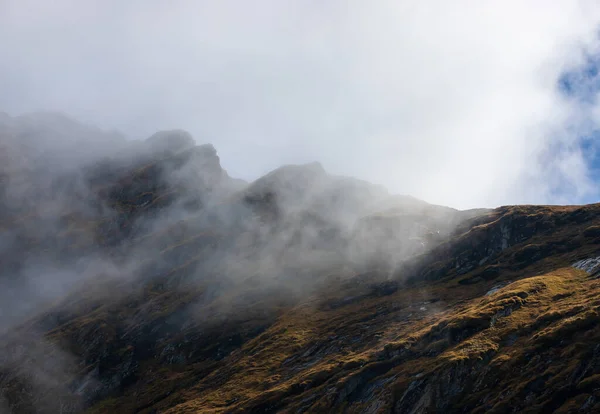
[{"x": 581, "y": 86}]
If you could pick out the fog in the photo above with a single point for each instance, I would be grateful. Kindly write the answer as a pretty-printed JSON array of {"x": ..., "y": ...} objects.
[
  {"x": 114, "y": 224},
  {"x": 457, "y": 104},
  {"x": 136, "y": 212},
  {"x": 299, "y": 103}
]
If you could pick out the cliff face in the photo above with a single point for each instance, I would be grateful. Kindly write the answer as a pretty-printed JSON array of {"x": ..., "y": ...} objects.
[{"x": 148, "y": 280}]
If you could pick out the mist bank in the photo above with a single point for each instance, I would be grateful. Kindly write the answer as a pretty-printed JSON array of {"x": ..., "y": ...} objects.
[
  {"x": 158, "y": 229},
  {"x": 79, "y": 202}
]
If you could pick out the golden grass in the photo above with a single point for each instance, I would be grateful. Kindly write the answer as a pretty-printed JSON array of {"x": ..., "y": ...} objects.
[{"x": 286, "y": 358}]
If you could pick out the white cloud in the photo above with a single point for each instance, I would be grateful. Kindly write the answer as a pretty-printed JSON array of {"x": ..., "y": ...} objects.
[{"x": 453, "y": 102}]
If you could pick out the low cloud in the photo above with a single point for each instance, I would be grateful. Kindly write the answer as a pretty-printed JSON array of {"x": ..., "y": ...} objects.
[{"x": 454, "y": 103}]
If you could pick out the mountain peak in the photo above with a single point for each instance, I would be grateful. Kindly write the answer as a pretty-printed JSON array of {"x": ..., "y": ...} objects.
[{"x": 172, "y": 141}]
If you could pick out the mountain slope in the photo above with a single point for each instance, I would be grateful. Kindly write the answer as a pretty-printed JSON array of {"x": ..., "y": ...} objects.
[
  {"x": 148, "y": 280},
  {"x": 368, "y": 344}
]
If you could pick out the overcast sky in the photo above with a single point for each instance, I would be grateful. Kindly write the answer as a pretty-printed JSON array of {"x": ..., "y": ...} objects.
[{"x": 454, "y": 102}]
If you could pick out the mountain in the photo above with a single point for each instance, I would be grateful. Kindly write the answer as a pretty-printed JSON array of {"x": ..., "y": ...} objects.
[{"x": 139, "y": 277}]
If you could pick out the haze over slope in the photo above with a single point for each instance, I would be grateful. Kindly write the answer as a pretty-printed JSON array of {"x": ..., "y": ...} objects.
[
  {"x": 139, "y": 276},
  {"x": 62, "y": 178}
]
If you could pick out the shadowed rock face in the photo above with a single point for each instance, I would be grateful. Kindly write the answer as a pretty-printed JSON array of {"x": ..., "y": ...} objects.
[{"x": 148, "y": 280}]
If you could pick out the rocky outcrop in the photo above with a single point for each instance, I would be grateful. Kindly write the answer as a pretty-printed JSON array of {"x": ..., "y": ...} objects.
[{"x": 591, "y": 266}]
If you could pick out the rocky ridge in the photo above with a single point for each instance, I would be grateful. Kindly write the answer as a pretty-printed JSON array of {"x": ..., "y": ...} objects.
[{"x": 176, "y": 288}]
